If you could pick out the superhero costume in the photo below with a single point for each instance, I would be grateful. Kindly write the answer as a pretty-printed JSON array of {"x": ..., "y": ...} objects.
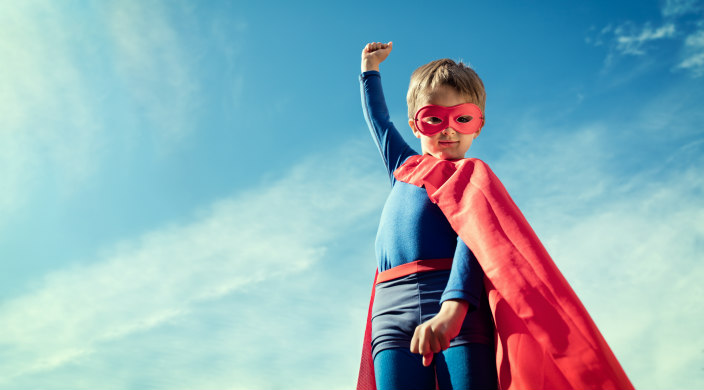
[
  {"x": 412, "y": 228},
  {"x": 545, "y": 337}
]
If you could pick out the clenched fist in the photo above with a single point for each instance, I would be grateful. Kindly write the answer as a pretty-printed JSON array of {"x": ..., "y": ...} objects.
[
  {"x": 375, "y": 53},
  {"x": 435, "y": 334}
]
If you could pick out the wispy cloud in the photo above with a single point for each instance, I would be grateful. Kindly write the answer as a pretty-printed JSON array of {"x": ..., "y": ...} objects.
[
  {"x": 47, "y": 124},
  {"x": 680, "y": 7},
  {"x": 693, "y": 52},
  {"x": 251, "y": 262},
  {"x": 152, "y": 60},
  {"x": 81, "y": 83},
  {"x": 634, "y": 259},
  {"x": 631, "y": 39},
  {"x": 629, "y": 241}
]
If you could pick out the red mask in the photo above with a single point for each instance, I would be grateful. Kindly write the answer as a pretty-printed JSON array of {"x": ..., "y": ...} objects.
[{"x": 465, "y": 118}]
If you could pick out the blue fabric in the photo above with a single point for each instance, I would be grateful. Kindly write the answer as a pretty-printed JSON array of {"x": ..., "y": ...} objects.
[
  {"x": 401, "y": 304},
  {"x": 411, "y": 226},
  {"x": 469, "y": 366}
]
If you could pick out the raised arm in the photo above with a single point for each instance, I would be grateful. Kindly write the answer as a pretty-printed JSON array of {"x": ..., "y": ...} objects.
[
  {"x": 393, "y": 148},
  {"x": 373, "y": 54}
]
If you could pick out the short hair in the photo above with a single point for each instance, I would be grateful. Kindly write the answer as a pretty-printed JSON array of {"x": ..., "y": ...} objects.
[{"x": 444, "y": 72}]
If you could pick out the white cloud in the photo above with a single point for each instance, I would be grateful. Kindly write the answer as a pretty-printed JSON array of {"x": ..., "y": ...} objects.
[
  {"x": 631, "y": 40},
  {"x": 153, "y": 62},
  {"x": 276, "y": 238},
  {"x": 673, "y": 8},
  {"x": 598, "y": 38},
  {"x": 79, "y": 84},
  {"x": 634, "y": 261},
  {"x": 628, "y": 38},
  {"x": 262, "y": 290},
  {"x": 47, "y": 124},
  {"x": 629, "y": 245},
  {"x": 693, "y": 52}
]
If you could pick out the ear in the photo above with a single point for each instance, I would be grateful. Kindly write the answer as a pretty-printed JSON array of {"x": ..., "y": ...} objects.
[
  {"x": 413, "y": 127},
  {"x": 481, "y": 128}
]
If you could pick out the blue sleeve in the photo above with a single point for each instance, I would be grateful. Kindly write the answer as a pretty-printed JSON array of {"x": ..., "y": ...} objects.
[
  {"x": 466, "y": 277},
  {"x": 394, "y": 149}
]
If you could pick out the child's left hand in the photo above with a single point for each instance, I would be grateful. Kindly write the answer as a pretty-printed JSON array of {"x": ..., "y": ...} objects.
[{"x": 435, "y": 334}]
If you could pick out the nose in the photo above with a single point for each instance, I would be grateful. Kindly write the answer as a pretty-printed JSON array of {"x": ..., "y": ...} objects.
[{"x": 448, "y": 130}]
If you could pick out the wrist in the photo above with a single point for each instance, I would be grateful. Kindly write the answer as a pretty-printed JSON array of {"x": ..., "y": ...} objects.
[
  {"x": 369, "y": 65},
  {"x": 454, "y": 307}
]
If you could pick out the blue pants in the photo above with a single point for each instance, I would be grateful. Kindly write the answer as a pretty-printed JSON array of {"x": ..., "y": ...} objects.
[{"x": 468, "y": 366}]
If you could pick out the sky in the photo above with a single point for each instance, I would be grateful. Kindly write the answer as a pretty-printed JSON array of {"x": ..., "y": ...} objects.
[{"x": 189, "y": 194}]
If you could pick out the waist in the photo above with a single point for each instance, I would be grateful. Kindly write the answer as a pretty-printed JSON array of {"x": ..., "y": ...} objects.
[{"x": 414, "y": 267}]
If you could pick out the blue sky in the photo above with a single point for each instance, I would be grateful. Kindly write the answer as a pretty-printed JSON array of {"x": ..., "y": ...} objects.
[{"x": 189, "y": 194}]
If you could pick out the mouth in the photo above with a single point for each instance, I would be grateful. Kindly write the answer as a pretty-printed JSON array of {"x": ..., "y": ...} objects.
[{"x": 447, "y": 143}]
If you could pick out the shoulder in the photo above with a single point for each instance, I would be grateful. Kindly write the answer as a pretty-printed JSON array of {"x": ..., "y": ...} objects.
[
  {"x": 472, "y": 163},
  {"x": 477, "y": 161},
  {"x": 479, "y": 171}
]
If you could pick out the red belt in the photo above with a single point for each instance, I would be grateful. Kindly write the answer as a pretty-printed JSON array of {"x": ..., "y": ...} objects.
[{"x": 414, "y": 267}]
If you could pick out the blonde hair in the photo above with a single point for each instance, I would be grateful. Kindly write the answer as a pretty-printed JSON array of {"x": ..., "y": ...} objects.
[{"x": 446, "y": 72}]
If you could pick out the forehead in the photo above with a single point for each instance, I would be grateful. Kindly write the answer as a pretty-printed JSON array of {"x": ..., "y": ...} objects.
[{"x": 445, "y": 95}]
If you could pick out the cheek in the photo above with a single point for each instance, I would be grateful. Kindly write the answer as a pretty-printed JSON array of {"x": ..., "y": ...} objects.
[
  {"x": 467, "y": 143},
  {"x": 427, "y": 145}
]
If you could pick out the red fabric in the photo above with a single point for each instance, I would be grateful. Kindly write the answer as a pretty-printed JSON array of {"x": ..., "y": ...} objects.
[
  {"x": 366, "y": 379},
  {"x": 414, "y": 267},
  {"x": 545, "y": 337}
]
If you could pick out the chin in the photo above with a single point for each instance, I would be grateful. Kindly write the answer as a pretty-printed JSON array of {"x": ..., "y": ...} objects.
[{"x": 446, "y": 156}]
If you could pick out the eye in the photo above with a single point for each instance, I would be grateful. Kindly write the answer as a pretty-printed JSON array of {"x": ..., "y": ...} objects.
[
  {"x": 464, "y": 119},
  {"x": 432, "y": 120}
]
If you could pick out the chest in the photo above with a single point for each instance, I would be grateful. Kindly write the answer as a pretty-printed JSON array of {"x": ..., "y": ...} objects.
[{"x": 409, "y": 213}]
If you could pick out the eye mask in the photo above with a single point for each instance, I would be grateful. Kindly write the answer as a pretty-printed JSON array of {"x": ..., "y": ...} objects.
[{"x": 465, "y": 118}]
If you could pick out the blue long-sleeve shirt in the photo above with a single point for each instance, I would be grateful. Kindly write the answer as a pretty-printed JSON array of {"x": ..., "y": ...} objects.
[{"x": 411, "y": 226}]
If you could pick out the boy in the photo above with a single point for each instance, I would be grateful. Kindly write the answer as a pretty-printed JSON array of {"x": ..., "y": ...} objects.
[{"x": 434, "y": 303}]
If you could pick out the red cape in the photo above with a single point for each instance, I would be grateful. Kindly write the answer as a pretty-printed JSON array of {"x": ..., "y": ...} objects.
[{"x": 545, "y": 337}]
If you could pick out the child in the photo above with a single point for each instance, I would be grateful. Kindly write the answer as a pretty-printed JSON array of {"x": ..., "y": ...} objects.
[{"x": 434, "y": 303}]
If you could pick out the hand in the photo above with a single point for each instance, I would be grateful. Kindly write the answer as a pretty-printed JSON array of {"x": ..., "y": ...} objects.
[
  {"x": 374, "y": 54},
  {"x": 435, "y": 334}
]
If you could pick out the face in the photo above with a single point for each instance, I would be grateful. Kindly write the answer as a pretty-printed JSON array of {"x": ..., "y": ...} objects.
[{"x": 447, "y": 144}]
